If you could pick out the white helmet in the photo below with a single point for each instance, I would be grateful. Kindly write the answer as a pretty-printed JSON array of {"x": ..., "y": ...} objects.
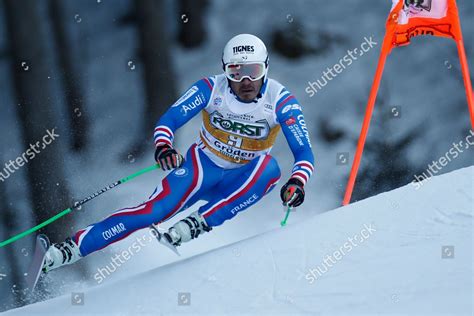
[{"x": 245, "y": 49}]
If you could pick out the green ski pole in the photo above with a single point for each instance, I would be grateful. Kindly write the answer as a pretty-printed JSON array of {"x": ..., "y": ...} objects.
[
  {"x": 283, "y": 222},
  {"x": 77, "y": 205}
]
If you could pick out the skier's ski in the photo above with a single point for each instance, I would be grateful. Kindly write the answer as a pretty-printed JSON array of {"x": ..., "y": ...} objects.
[
  {"x": 36, "y": 266},
  {"x": 163, "y": 240}
]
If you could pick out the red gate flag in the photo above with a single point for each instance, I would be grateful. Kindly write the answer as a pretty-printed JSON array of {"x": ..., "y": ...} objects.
[
  {"x": 428, "y": 17},
  {"x": 409, "y": 18}
]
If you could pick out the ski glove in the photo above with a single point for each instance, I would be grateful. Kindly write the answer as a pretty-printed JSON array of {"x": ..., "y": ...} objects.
[
  {"x": 168, "y": 158},
  {"x": 292, "y": 193}
]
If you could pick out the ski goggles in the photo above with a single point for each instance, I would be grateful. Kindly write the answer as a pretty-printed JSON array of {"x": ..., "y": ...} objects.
[{"x": 252, "y": 71}]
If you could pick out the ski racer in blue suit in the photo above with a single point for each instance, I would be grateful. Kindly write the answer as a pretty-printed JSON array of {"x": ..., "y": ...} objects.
[{"x": 229, "y": 166}]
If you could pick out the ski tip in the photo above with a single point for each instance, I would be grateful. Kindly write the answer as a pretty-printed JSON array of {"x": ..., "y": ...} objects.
[
  {"x": 35, "y": 269},
  {"x": 44, "y": 240}
]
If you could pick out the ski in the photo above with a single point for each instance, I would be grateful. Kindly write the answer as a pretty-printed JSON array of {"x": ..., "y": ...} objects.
[
  {"x": 36, "y": 266},
  {"x": 163, "y": 240}
]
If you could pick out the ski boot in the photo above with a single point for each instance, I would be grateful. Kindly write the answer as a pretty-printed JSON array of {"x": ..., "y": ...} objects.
[
  {"x": 61, "y": 254},
  {"x": 183, "y": 231}
]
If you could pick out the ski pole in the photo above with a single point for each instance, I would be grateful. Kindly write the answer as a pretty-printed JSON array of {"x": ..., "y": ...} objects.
[
  {"x": 77, "y": 205},
  {"x": 283, "y": 222}
]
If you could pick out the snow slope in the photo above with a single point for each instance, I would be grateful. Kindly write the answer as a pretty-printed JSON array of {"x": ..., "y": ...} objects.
[{"x": 395, "y": 265}]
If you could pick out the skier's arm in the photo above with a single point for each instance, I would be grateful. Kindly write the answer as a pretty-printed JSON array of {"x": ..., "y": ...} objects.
[
  {"x": 290, "y": 116},
  {"x": 188, "y": 106}
]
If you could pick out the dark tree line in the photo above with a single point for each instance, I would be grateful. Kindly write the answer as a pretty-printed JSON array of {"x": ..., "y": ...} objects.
[
  {"x": 158, "y": 74},
  {"x": 31, "y": 58},
  {"x": 149, "y": 16},
  {"x": 68, "y": 65},
  {"x": 46, "y": 178}
]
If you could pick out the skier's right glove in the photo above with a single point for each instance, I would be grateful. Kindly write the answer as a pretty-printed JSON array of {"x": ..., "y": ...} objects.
[
  {"x": 292, "y": 193},
  {"x": 168, "y": 158}
]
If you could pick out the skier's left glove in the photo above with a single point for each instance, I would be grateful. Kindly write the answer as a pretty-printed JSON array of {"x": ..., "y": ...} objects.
[
  {"x": 168, "y": 157},
  {"x": 292, "y": 193}
]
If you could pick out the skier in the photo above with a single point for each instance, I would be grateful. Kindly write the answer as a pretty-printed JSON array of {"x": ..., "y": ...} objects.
[{"x": 229, "y": 166}]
